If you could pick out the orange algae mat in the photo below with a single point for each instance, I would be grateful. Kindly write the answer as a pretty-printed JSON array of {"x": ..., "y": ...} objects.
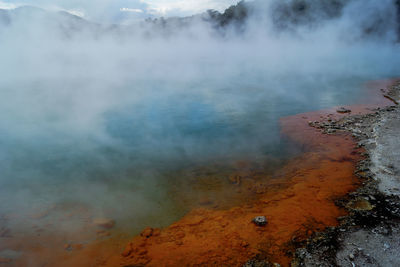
[{"x": 297, "y": 201}]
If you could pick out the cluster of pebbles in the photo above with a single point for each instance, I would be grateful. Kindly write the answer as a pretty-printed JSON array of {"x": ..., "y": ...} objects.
[{"x": 360, "y": 126}]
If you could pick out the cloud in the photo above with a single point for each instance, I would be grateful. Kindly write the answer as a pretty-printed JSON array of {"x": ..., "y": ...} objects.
[
  {"x": 185, "y": 7},
  {"x": 135, "y": 10},
  {"x": 4, "y": 5}
]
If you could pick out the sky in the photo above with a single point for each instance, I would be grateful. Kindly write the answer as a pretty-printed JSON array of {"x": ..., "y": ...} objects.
[{"x": 117, "y": 11}]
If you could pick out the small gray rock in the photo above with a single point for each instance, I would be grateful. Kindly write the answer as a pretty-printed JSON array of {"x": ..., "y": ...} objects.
[{"x": 260, "y": 220}]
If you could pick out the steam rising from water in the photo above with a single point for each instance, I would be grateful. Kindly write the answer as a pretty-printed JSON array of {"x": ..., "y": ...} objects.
[{"x": 97, "y": 117}]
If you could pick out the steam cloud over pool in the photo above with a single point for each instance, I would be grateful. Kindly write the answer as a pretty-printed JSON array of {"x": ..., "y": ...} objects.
[{"x": 104, "y": 116}]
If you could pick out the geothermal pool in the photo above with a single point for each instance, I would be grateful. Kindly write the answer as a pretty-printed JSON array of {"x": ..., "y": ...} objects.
[
  {"x": 145, "y": 135},
  {"x": 151, "y": 124},
  {"x": 180, "y": 125}
]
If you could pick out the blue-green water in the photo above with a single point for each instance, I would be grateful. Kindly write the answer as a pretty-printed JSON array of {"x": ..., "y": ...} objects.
[{"x": 127, "y": 166}]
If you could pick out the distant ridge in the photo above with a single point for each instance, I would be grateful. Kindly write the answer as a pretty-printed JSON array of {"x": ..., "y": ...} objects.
[{"x": 287, "y": 15}]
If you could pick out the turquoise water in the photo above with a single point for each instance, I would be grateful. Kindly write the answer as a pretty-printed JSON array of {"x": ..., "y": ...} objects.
[{"x": 128, "y": 163}]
